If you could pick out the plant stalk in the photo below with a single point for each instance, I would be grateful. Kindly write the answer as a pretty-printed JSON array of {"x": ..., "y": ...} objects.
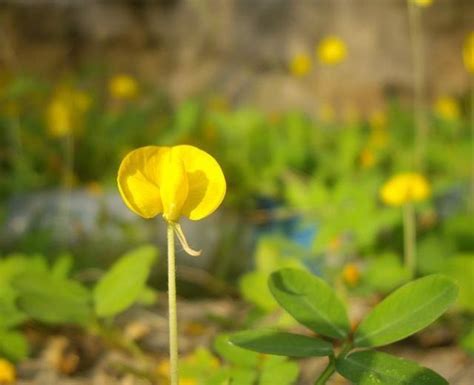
[
  {"x": 409, "y": 238},
  {"x": 331, "y": 367},
  {"x": 173, "y": 320},
  {"x": 327, "y": 373}
]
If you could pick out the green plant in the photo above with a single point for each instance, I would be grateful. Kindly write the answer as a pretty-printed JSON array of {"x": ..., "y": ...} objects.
[
  {"x": 313, "y": 303},
  {"x": 31, "y": 289}
]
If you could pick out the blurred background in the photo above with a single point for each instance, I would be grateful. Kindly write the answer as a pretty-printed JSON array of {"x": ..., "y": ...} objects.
[{"x": 308, "y": 106}]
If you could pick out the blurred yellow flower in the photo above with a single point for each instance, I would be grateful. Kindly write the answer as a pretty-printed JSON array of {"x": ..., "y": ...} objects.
[
  {"x": 331, "y": 50},
  {"x": 422, "y": 3},
  {"x": 367, "y": 158},
  {"x": 175, "y": 181},
  {"x": 378, "y": 119},
  {"x": 405, "y": 188},
  {"x": 65, "y": 110},
  {"x": 468, "y": 53},
  {"x": 326, "y": 113},
  {"x": 447, "y": 108},
  {"x": 123, "y": 87},
  {"x": 300, "y": 65},
  {"x": 351, "y": 274},
  {"x": 59, "y": 117},
  {"x": 7, "y": 372}
]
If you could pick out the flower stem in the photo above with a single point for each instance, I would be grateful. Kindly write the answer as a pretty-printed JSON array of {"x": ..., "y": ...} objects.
[
  {"x": 173, "y": 320},
  {"x": 471, "y": 195},
  {"x": 409, "y": 238}
]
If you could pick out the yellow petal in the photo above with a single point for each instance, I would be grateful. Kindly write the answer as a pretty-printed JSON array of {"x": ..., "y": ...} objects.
[
  {"x": 206, "y": 182},
  {"x": 404, "y": 188},
  {"x": 138, "y": 180},
  {"x": 174, "y": 185}
]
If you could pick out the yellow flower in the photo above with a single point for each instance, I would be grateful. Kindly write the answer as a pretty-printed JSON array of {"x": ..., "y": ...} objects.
[
  {"x": 447, "y": 108},
  {"x": 65, "y": 110},
  {"x": 367, "y": 158},
  {"x": 174, "y": 181},
  {"x": 468, "y": 53},
  {"x": 123, "y": 87},
  {"x": 378, "y": 120},
  {"x": 300, "y": 65},
  {"x": 351, "y": 274},
  {"x": 188, "y": 381},
  {"x": 326, "y": 113},
  {"x": 404, "y": 188},
  {"x": 331, "y": 50},
  {"x": 59, "y": 118},
  {"x": 7, "y": 372},
  {"x": 422, "y": 3}
]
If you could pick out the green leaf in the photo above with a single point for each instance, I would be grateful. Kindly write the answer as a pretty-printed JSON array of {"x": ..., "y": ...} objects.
[
  {"x": 52, "y": 300},
  {"x": 376, "y": 368},
  {"x": 10, "y": 315},
  {"x": 62, "y": 266},
  {"x": 406, "y": 311},
  {"x": 13, "y": 345},
  {"x": 234, "y": 354},
  {"x": 123, "y": 284},
  {"x": 311, "y": 301},
  {"x": 278, "y": 372},
  {"x": 281, "y": 343},
  {"x": 254, "y": 289}
]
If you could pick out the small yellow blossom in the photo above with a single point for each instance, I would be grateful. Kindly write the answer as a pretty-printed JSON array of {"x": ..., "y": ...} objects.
[
  {"x": 331, "y": 50},
  {"x": 351, "y": 274},
  {"x": 378, "y": 120},
  {"x": 367, "y": 158},
  {"x": 405, "y": 188},
  {"x": 123, "y": 87},
  {"x": 7, "y": 372},
  {"x": 326, "y": 113},
  {"x": 59, "y": 117},
  {"x": 422, "y": 3},
  {"x": 468, "y": 53},
  {"x": 174, "y": 181},
  {"x": 300, "y": 65},
  {"x": 65, "y": 111},
  {"x": 447, "y": 108},
  {"x": 188, "y": 381}
]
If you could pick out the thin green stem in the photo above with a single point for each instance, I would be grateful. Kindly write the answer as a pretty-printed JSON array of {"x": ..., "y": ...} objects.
[
  {"x": 421, "y": 124},
  {"x": 471, "y": 197},
  {"x": 173, "y": 320},
  {"x": 66, "y": 188},
  {"x": 328, "y": 372},
  {"x": 409, "y": 238},
  {"x": 331, "y": 367}
]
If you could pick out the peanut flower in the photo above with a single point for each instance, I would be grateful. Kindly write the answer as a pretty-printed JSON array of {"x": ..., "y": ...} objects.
[
  {"x": 447, "y": 108},
  {"x": 172, "y": 181},
  {"x": 300, "y": 65},
  {"x": 351, "y": 274},
  {"x": 405, "y": 188},
  {"x": 123, "y": 87},
  {"x": 7, "y": 372},
  {"x": 331, "y": 50},
  {"x": 468, "y": 53},
  {"x": 422, "y": 3}
]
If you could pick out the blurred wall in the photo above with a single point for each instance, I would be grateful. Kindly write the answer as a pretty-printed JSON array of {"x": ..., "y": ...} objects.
[{"x": 241, "y": 47}]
